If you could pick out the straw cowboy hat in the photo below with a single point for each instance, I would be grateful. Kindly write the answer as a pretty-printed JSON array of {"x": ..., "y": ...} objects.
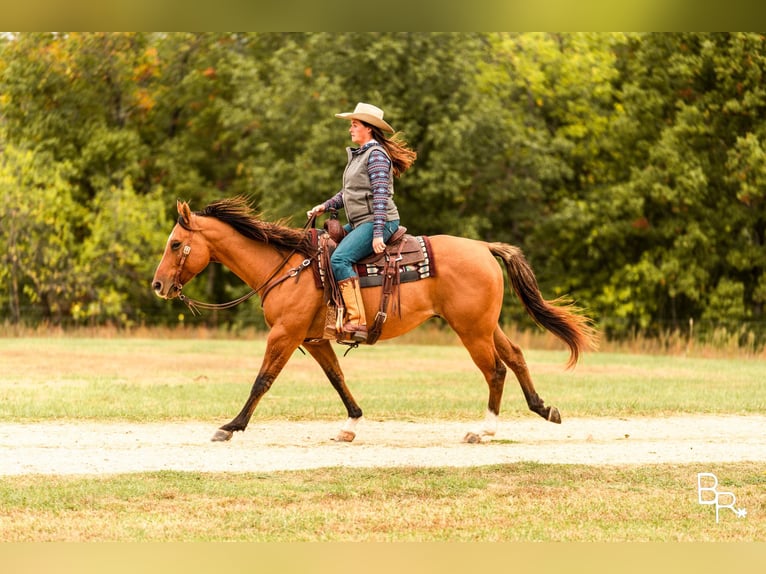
[{"x": 368, "y": 114}]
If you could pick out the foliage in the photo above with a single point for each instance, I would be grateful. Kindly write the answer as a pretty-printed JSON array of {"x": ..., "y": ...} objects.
[
  {"x": 117, "y": 256},
  {"x": 39, "y": 225},
  {"x": 629, "y": 167}
]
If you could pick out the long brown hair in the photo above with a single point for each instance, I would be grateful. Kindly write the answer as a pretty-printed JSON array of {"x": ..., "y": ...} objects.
[{"x": 402, "y": 157}]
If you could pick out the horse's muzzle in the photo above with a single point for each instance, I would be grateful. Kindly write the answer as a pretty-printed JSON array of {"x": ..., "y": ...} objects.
[{"x": 164, "y": 292}]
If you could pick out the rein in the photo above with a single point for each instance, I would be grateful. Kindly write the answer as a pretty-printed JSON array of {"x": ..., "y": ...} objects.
[{"x": 269, "y": 284}]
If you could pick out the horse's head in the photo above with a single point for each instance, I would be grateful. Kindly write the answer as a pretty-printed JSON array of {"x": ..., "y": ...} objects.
[{"x": 186, "y": 254}]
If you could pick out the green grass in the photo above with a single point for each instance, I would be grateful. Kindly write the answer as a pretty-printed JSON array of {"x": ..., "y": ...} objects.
[
  {"x": 209, "y": 379},
  {"x": 511, "y": 503}
]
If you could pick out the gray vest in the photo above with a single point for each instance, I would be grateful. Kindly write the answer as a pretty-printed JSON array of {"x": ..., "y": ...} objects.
[{"x": 357, "y": 189}]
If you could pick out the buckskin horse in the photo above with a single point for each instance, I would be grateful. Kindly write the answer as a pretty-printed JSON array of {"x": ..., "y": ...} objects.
[{"x": 467, "y": 292}]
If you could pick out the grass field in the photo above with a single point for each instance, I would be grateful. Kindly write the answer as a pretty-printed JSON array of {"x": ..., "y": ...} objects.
[
  {"x": 200, "y": 379},
  {"x": 146, "y": 379},
  {"x": 510, "y": 503}
]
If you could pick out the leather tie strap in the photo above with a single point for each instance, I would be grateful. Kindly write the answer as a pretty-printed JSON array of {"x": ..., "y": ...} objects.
[{"x": 390, "y": 283}]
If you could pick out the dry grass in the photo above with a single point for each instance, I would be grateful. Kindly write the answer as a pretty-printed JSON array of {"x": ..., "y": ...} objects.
[
  {"x": 519, "y": 502},
  {"x": 720, "y": 343}
]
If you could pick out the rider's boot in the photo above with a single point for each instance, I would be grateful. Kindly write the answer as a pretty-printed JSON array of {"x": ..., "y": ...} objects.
[{"x": 356, "y": 322}]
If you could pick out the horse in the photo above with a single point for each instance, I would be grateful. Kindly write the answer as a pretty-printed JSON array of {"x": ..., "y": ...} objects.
[{"x": 467, "y": 292}]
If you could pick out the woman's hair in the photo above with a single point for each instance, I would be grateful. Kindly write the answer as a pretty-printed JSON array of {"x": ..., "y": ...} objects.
[{"x": 402, "y": 157}]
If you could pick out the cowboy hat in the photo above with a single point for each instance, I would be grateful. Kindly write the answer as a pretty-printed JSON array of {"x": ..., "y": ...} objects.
[{"x": 368, "y": 114}]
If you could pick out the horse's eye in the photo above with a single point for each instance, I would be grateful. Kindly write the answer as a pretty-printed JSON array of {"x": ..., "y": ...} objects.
[{"x": 175, "y": 245}]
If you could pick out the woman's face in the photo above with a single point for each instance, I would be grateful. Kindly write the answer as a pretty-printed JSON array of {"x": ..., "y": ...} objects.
[{"x": 360, "y": 133}]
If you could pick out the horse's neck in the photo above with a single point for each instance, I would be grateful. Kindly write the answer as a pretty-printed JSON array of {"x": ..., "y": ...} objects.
[{"x": 250, "y": 260}]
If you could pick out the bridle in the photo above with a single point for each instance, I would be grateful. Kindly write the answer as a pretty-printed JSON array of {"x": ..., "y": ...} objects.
[
  {"x": 269, "y": 284},
  {"x": 184, "y": 254}
]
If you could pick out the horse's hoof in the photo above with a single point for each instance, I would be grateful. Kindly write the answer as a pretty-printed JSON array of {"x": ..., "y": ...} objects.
[
  {"x": 221, "y": 435},
  {"x": 554, "y": 415},
  {"x": 472, "y": 438},
  {"x": 345, "y": 436}
]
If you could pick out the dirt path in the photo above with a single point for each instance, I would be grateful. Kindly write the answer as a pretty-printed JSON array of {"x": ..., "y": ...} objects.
[{"x": 104, "y": 448}]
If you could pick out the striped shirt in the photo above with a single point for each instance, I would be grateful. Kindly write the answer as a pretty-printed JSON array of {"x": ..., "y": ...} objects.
[{"x": 379, "y": 169}]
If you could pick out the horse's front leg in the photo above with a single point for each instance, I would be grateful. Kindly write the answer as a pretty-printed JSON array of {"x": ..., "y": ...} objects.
[
  {"x": 279, "y": 348},
  {"x": 324, "y": 354}
]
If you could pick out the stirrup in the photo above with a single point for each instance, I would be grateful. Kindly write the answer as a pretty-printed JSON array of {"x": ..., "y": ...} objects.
[{"x": 355, "y": 335}]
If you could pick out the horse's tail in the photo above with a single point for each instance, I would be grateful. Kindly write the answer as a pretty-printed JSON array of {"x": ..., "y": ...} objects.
[{"x": 559, "y": 316}]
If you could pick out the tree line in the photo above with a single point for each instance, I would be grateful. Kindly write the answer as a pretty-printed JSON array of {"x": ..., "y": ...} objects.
[{"x": 630, "y": 168}]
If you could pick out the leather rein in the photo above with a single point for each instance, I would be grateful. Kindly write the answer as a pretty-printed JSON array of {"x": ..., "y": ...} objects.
[{"x": 269, "y": 284}]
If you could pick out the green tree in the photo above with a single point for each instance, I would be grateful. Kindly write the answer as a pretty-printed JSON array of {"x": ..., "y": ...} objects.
[
  {"x": 552, "y": 102},
  {"x": 77, "y": 97},
  {"x": 296, "y": 145},
  {"x": 39, "y": 222},
  {"x": 676, "y": 233},
  {"x": 629, "y": 167},
  {"x": 118, "y": 257}
]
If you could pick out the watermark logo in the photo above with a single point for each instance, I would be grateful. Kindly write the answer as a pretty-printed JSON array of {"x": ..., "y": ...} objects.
[{"x": 708, "y": 493}]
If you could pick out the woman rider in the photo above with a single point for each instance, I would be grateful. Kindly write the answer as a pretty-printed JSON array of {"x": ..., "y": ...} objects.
[{"x": 367, "y": 198}]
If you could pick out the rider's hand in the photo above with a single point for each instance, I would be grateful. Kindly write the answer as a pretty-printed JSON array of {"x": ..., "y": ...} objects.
[
  {"x": 378, "y": 245},
  {"x": 316, "y": 210}
]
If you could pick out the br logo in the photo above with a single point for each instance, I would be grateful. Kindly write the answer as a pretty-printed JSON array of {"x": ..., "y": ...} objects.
[{"x": 707, "y": 490}]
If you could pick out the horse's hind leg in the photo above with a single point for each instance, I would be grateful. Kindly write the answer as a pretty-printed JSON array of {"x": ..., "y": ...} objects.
[
  {"x": 324, "y": 354},
  {"x": 482, "y": 351},
  {"x": 514, "y": 358}
]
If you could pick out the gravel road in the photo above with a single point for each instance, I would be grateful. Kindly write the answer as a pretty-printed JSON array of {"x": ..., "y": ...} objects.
[{"x": 108, "y": 448}]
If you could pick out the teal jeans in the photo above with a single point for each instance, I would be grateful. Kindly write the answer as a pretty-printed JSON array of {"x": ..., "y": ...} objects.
[{"x": 356, "y": 245}]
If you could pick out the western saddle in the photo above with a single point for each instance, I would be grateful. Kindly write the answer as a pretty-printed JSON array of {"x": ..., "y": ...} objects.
[{"x": 401, "y": 250}]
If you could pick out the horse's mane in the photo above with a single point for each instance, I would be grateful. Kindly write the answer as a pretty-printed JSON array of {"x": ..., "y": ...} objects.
[{"x": 238, "y": 213}]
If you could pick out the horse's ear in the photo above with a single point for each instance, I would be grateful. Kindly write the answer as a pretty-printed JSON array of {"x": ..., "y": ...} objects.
[{"x": 184, "y": 211}]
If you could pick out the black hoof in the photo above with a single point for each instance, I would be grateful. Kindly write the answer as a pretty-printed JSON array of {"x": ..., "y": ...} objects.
[
  {"x": 554, "y": 415},
  {"x": 221, "y": 436}
]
